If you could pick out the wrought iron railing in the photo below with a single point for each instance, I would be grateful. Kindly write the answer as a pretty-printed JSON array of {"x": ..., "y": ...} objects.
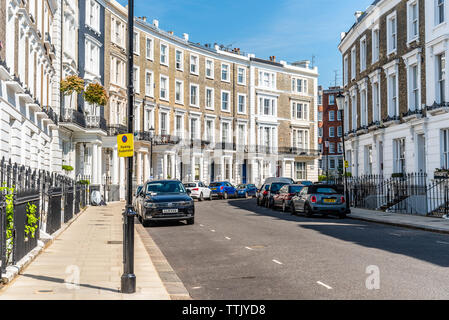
[
  {"x": 73, "y": 116},
  {"x": 116, "y": 129},
  {"x": 94, "y": 122}
]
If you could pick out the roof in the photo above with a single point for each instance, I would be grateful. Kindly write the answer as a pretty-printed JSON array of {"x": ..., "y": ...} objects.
[{"x": 364, "y": 14}]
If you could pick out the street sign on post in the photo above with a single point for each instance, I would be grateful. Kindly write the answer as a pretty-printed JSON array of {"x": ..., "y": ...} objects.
[
  {"x": 125, "y": 144},
  {"x": 346, "y": 164}
]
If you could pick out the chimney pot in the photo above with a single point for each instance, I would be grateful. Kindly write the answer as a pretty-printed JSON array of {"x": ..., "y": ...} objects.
[
  {"x": 170, "y": 32},
  {"x": 156, "y": 23},
  {"x": 186, "y": 36}
]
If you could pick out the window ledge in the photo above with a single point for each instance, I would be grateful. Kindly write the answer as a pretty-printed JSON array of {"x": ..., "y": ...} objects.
[{"x": 438, "y": 26}]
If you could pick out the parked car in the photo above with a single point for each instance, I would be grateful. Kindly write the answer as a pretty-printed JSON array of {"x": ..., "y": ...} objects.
[
  {"x": 262, "y": 194},
  {"x": 319, "y": 198},
  {"x": 198, "y": 190},
  {"x": 246, "y": 190},
  {"x": 138, "y": 189},
  {"x": 222, "y": 190},
  {"x": 272, "y": 191},
  {"x": 305, "y": 183},
  {"x": 284, "y": 196},
  {"x": 162, "y": 200},
  {"x": 278, "y": 179}
]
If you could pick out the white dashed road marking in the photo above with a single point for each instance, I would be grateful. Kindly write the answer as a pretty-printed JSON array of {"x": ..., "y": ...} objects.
[
  {"x": 278, "y": 262},
  {"x": 212, "y": 230},
  {"x": 395, "y": 234},
  {"x": 227, "y": 238},
  {"x": 442, "y": 242},
  {"x": 201, "y": 225},
  {"x": 324, "y": 285},
  {"x": 249, "y": 248}
]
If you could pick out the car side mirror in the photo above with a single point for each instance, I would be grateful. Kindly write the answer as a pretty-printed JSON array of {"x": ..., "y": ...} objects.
[{"x": 189, "y": 192}]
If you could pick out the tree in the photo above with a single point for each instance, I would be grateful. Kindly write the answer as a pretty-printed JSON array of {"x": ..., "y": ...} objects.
[
  {"x": 96, "y": 94},
  {"x": 70, "y": 85}
]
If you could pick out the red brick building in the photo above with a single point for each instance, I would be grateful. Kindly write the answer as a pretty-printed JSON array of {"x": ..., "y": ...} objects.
[{"x": 330, "y": 131}]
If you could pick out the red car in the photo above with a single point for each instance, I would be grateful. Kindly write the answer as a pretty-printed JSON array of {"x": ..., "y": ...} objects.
[{"x": 284, "y": 196}]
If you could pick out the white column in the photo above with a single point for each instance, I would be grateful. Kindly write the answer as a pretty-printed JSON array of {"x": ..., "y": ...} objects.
[
  {"x": 115, "y": 167},
  {"x": 283, "y": 168},
  {"x": 164, "y": 166},
  {"x": 94, "y": 166},
  {"x": 100, "y": 164},
  {"x": 81, "y": 168},
  {"x": 192, "y": 169},
  {"x": 222, "y": 165},
  {"x": 201, "y": 168},
  {"x": 138, "y": 168},
  {"x": 146, "y": 167},
  {"x": 173, "y": 166},
  {"x": 231, "y": 170}
]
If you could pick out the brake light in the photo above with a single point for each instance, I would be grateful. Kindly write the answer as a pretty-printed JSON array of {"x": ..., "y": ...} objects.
[
  {"x": 343, "y": 199},
  {"x": 221, "y": 188},
  {"x": 313, "y": 199},
  {"x": 195, "y": 189},
  {"x": 265, "y": 193}
]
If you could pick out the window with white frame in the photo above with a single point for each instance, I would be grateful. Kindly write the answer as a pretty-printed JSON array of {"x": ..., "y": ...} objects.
[
  {"x": 338, "y": 115},
  {"x": 179, "y": 59},
  {"x": 194, "y": 64},
  {"x": 225, "y": 72},
  {"x": 164, "y": 88},
  {"x": 136, "y": 76},
  {"x": 331, "y": 99},
  {"x": 149, "y": 83},
  {"x": 209, "y": 68},
  {"x": 368, "y": 159},
  {"x": 300, "y": 110},
  {"x": 393, "y": 96},
  {"x": 413, "y": 22},
  {"x": 375, "y": 45},
  {"x": 445, "y": 149},
  {"x": 332, "y": 163},
  {"x": 363, "y": 54},
  {"x": 149, "y": 52},
  {"x": 136, "y": 44},
  {"x": 331, "y": 115},
  {"x": 353, "y": 63},
  {"x": 164, "y": 54},
  {"x": 179, "y": 125},
  {"x": 320, "y": 149},
  {"x": 354, "y": 110},
  {"x": 117, "y": 32},
  {"x": 267, "y": 79},
  {"x": 209, "y": 98},
  {"x": 92, "y": 57},
  {"x": 413, "y": 86},
  {"x": 320, "y": 132},
  {"x": 241, "y": 75},
  {"x": 439, "y": 11},
  {"x": 148, "y": 118},
  {"x": 339, "y": 147},
  {"x": 163, "y": 123},
  {"x": 300, "y": 170},
  {"x": 225, "y": 101},
  {"x": 345, "y": 70},
  {"x": 339, "y": 131},
  {"x": 391, "y": 33},
  {"x": 241, "y": 103},
  {"x": 332, "y": 147},
  {"x": 331, "y": 132},
  {"x": 194, "y": 128},
  {"x": 376, "y": 102},
  {"x": 209, "y": 131},
  {"x": 225, "y": 132},
  {"x": 93, "y": 14},
  {"x": 267, "y": 106},
  {"x": 299, "y": 85},
  {"x": 300, "y": 139},
  {"x": 241, "y": 134},
  {"x": 194, "y": 95},
  {"x": 441, "y": 76},
  {"x": 363, "y": 108},
  {"x": 179, "y": 91},
  {"x": 320, "y": 115},
  {"x": 399, "y": 155}
]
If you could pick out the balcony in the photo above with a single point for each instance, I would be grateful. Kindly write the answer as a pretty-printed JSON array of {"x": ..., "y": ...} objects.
[
  {"x": 229, "y": 146},
  {"x": 158, "y": 139},
  {"x": 298, "y": 151},
  {"x": 391, "y": 120},
  {"x": 362, "y": 130},
  {"x": 72, "y": 117},
  {"x": 96, "y": 122},
  {"x": 438, "y": 108},
  {"x": 51, "y": 114},
  {"x": 200, "y": 143},
  {"x": 413, "y": 114},
  {"x": 115, "y": 130},
  {"x": 4, "y": 71}
]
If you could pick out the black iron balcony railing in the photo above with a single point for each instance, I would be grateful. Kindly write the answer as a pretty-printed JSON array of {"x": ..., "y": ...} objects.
[
  {"x": 4, "y": 65},
  {"x": 73, "y": 116},
  {"x": 225, "y": 146},
  {"x": 51, "y": 114},
  {"x": 94, "y": 122},
  {"x": 157, "y": 139},
  {"x": 413, "y": 112},
  {"x": 116, "y": 129},
  {"x": 392, "y": 118},
  {"x": 298, "y": 151},
  {"x": 199, "y": 143},
  {"x": 437, "y": 105}
]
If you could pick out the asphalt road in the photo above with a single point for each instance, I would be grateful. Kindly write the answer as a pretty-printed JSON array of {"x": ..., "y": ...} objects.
[{"x": 237, "y": 250}]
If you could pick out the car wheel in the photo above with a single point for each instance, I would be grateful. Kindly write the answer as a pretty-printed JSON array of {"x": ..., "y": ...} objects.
[
  {"x": 225, "y": 195},
  {"x": 292, "y": 209},
  {"x": 210, "y": 197},
  {"x": 201, "y": 198},
  {"x": 246, "y": 195},
  {"x": 190, "y": 221},
  {"x": 147, "y": 223},
  {"x": 308, "y": 211},
  {"x": 235, "y": 194}
]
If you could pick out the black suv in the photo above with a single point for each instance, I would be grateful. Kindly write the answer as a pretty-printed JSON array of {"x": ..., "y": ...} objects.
[{"x": 164, "y": 200}]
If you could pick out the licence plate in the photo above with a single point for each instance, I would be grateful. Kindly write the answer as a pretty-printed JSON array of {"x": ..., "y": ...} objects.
[
  {"x": 170, "y": 211},
  {"x": 214, "y": 189},
  {"x": 329, "y": 200}
]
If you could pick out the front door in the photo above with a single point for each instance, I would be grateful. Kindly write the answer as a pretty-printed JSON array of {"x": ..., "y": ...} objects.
[
  {"x": 244, "y": 171},
  {"x": 421, "y": 153},
  {"x": 212, "y": 172}
]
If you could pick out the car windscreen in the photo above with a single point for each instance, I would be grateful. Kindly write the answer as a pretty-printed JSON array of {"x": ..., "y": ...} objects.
[
  {"x": 165, "y": 187},
  {"x": 275, "y": 187},
  {"x": 190, "y": 185},
  {"x": 139, "y": 188},
  {"x": 241, "y": 186},
  {"x": 326, "y": 191},
  {"x": 215, "y": 184},
  {"x": 295, "y": 189}
]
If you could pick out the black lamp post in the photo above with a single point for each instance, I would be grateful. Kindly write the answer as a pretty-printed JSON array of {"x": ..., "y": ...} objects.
[
  {"x": 341, "y": 106},
  {"x": 128, "y": 280}
]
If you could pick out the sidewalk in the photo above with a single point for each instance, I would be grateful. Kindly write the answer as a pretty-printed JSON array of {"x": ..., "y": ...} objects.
[
  {"x": 402, "y": 220},
  {"x": 91, "y": 248}
]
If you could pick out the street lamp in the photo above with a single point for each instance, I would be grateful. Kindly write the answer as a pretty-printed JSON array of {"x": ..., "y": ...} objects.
[
  {"x": 341, "y": 106},
  {"x": 151, "y": 130},
  {"x": 128, "y": 279}
]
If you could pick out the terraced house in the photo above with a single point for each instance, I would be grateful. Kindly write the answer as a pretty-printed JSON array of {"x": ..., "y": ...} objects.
[
  {"x": 387, "y": 123},
  {"x": 207, "y": 113}
]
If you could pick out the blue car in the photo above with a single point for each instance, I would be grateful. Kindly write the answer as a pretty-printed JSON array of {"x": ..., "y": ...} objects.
[
  {"x": 246, "y": 190},
  {"x": 222, "y": 190}
]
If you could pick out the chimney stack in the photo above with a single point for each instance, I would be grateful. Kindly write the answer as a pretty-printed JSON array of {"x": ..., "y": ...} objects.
[
  {"x": 170, "y": 32},
  {"x": 144, "y": 19},
  {"x": 156, "y": 23},
  {"x": 357, "y": 15},
  {"x": 186, "y": 36}
]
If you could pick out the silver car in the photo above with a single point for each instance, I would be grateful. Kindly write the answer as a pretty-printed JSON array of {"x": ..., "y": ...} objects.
[{"x": 322, "y": 199}]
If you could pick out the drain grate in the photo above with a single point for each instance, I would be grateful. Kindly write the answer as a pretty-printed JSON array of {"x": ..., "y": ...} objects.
[{"x": 115, "y": 242}]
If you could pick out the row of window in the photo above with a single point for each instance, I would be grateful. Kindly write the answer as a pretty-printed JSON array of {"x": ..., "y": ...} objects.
[
  {"x": 331, "y": 147},
  {"x": 332, "y": 164},
  {"x": 331, "y": 115},
  {"x": 331, "y": 132}
]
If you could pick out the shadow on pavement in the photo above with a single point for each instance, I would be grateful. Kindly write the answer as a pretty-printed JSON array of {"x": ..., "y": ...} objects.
[{"x": 416, "y": 244}]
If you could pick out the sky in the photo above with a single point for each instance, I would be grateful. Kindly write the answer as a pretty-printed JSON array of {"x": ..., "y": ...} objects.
[{"x": 291, "y": 30}]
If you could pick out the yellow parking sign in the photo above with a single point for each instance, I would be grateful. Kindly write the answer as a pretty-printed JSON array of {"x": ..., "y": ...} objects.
[
  {"x": 346, "y": 164},
  {"x": 125, "y": 144}
]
